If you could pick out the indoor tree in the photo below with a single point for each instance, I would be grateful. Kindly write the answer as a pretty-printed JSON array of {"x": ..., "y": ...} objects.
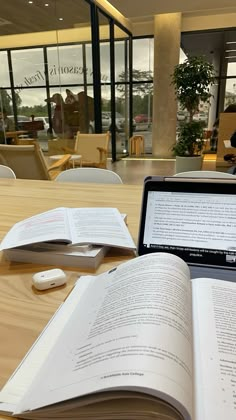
[{"x": 192, "y": 80}]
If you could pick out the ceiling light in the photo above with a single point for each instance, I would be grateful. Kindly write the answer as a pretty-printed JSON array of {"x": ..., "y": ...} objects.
[
  {"x": 228, "y": 51},
  {"x": 46, "y": 4},
  {"x": 60, "y": 18},
  {"x": 30, "y": 2},
  {"x": 231, "y": 42}
]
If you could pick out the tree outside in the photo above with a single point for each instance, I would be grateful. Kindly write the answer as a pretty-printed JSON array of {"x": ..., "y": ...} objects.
[{"x": 6, "y": 100}]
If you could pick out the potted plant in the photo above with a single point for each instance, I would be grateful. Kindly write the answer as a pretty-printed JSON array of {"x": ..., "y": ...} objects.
[{"x": 192, "y": 80}]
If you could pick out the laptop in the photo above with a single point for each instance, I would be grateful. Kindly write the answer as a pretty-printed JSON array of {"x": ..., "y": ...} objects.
[{"x": 194, "y": 218}]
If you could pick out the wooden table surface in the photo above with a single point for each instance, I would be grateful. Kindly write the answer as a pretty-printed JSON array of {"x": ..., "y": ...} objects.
[
  {"x": 15, "y": 133},
  {"x": 24, "y": 311}
]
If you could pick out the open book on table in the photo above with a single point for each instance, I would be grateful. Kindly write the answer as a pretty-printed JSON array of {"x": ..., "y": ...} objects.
[
  {"x": 67, "y": 236},
  {"x": 141, "y": 341}
]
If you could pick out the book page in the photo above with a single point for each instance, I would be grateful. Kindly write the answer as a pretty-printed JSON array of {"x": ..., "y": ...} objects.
[
  {"x": 48, "y": 226},
  {"x": 214, "y": 320},
  {"x": 100, "y": 226},
  {"x": 131, "y": 331},
  {"x": 14, "y": 390}
]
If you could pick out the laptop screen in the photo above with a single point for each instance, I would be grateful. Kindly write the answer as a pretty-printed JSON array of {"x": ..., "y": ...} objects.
[{"x": 195, "y": 220}]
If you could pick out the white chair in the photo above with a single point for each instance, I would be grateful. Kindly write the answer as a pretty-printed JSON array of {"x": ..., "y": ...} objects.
[
  {"x": 205, "y": 174},
  {"x": 96, "y": 175},
  {"x": 6, "y": 172}
]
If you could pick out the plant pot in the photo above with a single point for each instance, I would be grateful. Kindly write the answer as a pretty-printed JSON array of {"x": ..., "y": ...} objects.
[{"x": 185, "y": 164}]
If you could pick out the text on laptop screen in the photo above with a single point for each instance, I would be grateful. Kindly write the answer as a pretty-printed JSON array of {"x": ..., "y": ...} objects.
[{"x": 197, "y": 225}]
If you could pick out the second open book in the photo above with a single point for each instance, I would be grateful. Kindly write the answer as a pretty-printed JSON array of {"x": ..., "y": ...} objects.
[
  {"x": 78, "y": 237},
  {"x": 141, "y": 341}
]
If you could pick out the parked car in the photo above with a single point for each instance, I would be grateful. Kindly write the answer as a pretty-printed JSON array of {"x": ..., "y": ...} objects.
[
  {"x": 20, "y": 120},
  {"x": 106, "y": 122},
  {"x": 142, "y": 118},
  {"x": 181, "y": 116},
  {"x": 200, "y": 116},
  {"x": 203, "y": 116},
  {"x": 43, "y": 134},
  {"x": 45, "y": 122},
  {"x": 120, "y": 122}
]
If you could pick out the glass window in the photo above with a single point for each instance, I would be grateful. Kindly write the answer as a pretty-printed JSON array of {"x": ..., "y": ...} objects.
[
  {"x": 6, "y": 101},
  {"x": 142, "y": 111},
  {"x": 65, "y": 65},
  {"x": 32, "y": 102},
  {"x": 106, "y": 97},
  {"x": 4, "y": 71},
  {"x": 122, "y": 118},
  {"x": 143, "y": 59},
  {"x": 229, "y": 62},
  {"x": 28, "y": 67},
  {"x": 72, "y": 110},
  {"x": 88, "y": 64},
  {"x": 231, "y": 70},
  {"x": 121, "y": 73},
  {"x": 105, "y": 62},
  {"x": 230, "y": 92}
]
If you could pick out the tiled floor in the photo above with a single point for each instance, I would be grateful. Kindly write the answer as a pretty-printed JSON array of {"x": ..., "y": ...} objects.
[{"x": 133, "y": 171}]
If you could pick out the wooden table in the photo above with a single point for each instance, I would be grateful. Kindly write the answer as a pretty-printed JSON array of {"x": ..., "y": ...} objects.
[
  {"x": 24, "y": 311},
  {"x": 73, "y": 159},
  {"x": 15, "y": 135}
]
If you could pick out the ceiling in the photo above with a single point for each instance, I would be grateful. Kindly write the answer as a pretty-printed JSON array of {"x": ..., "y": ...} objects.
[
  {"x": 133, "y": 9},
  {"x": 21, "y": 16}
]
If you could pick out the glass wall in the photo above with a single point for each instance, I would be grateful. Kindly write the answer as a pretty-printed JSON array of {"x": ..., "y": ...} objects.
[
  {"x": 122, "y": 91},
  {"x": 40, "y": 86},
  {"x": 219, "y": 47},
  {"x": 115, "y": 84},
  {"x": 143, "y": 63},
  {"x": 55, "y": 83}
]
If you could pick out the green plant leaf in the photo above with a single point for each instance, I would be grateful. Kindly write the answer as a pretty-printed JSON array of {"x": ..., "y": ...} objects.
[{"x": 192, "y": 80}]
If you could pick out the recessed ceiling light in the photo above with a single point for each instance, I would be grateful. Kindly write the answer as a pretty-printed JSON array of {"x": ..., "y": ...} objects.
[
  {"x": 46, "y": 4},
  {"x": 30, "y": 2},
  {"x": 60, "y": 18}
]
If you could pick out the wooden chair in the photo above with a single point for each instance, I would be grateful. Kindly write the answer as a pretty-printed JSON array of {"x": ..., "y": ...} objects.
[
  {"x": 136, "y": 145},
  {"x": 93, "y": 148},
  {"x": 94, "y": 175},
  {"x": 28, "y": 162}
]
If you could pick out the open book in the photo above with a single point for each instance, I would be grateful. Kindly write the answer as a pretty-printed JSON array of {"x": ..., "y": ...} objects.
[
  {"x": 141, "y": 341},
  {"x": 78, "y": 237}
]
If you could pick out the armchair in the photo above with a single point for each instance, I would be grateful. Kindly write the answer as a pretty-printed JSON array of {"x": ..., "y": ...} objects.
[
  {"x": 28, "y": 162},
  {"x": 93, "y": 148}
]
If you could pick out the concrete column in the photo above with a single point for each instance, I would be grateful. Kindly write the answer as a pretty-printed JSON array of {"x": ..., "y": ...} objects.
[{"x": 167, "y": 32}]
